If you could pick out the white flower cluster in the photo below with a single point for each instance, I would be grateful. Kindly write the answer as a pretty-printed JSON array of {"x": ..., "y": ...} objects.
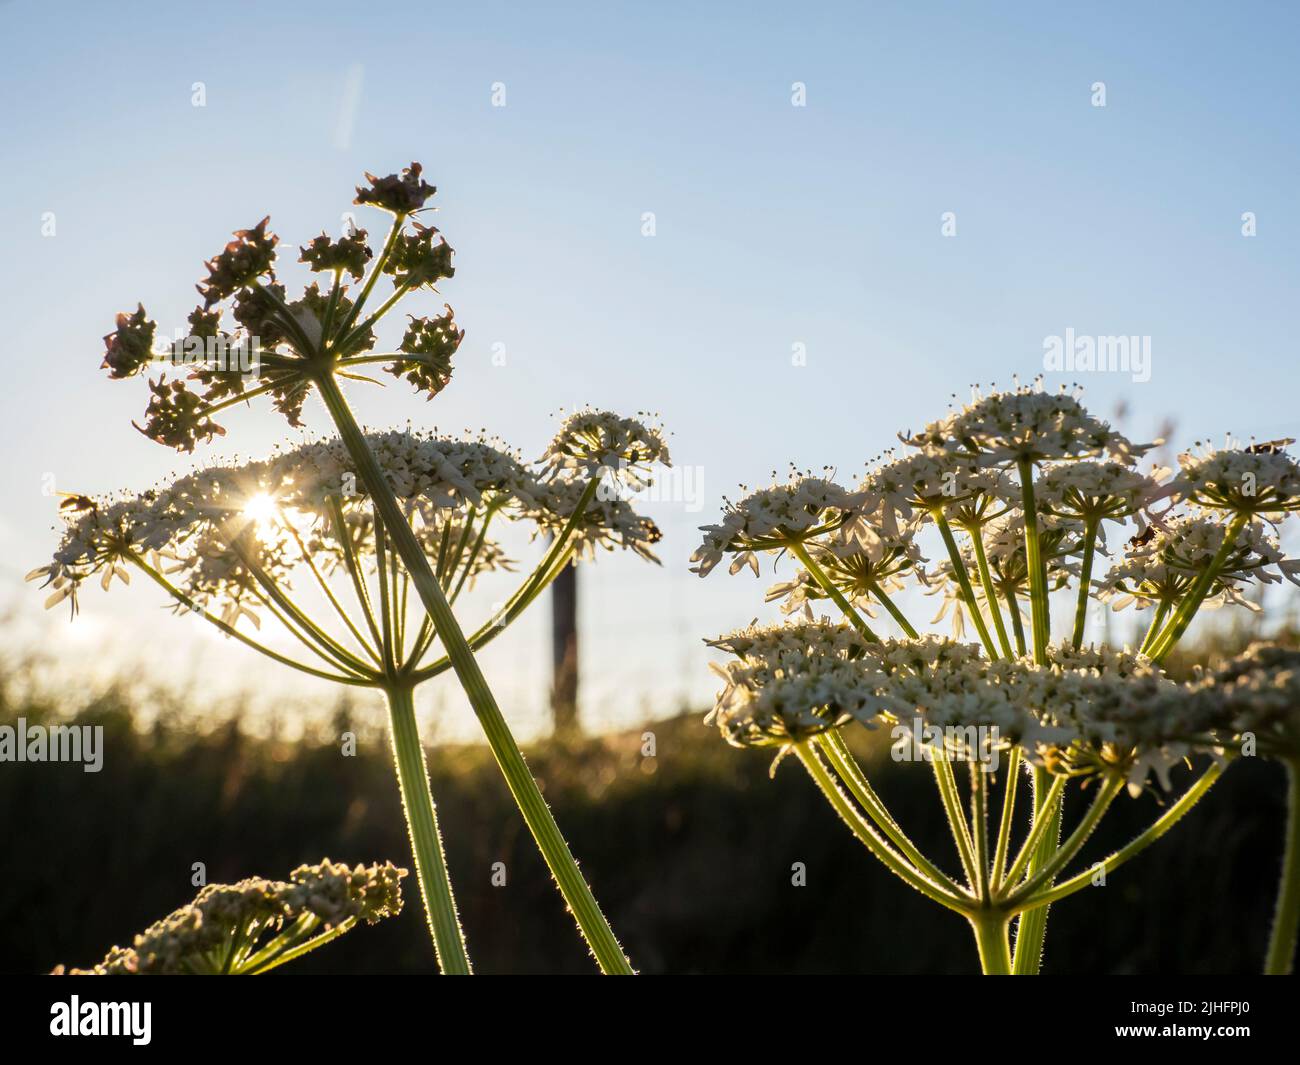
[
  {"x": 1257, "y": 480},
  {"x": 772, "y": 517},
  {"x": 1087, "y": 490},
  {"x": 1025, "y": 423},
  {"x": 1256, "y": 697},
  {"x": 228, "y": 921},
  {"x": 790, "y": 682},
  {"x": 211, "y": 530},
  {"x": 1087, "y": 711},
  {"x": 591, "y": 440},
  {"x": 1161, "y": 569}
]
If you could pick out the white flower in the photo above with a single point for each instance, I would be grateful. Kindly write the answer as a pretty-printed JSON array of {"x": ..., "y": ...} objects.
[
  {"x": 790, "y": 682},
  {"x": 1257, "y": 696},
  {"x": 1263, "y": 482},
  {"x": 1025, "y": 423},
  {"x": 771, "y": 519},
  {"x": 1094, "y": 490},
  {"x": 590, "y": 441}
]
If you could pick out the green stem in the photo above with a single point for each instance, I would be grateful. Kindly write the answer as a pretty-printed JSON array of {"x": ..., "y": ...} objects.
[
  {"x": 1007, "y": 818},
  {"x": 943, "y": 777},
  {"x": 354, "y": 568},
  {"x": 963, "y": 580},
  {"x": 1032, "y": 927},
  {"x": 990, "y": 927},
  {"x": 893, "y": 610},
  {"x": 230, "y": 630},
  {"x": 493, "y": 627},
  {"x": 1038, "y": 604},
  {"x": 595, "y": 929},
  {"x": 1153, "y": 832},
  {"x": 1046, "y": 797},
  {"x": 368, "y": 285},
  {"x": 325, "y": 587},
  {"x": 861, "y": 828},
  {"x": 422, "y": 826},
  {"x": 1196, "y": 594},
  {"x": 299, "y": 950},
  {"x": 1090, "y": 527},
  {"x": 990, "y": 590},
  {"x": 1153, "y": 630},
  {"x": 1286, "y": 917},
  {"x": 979, "y": 816},
  {"x": 1017, "y": 625},
  {"x": 1100, "y": 804},
  {"x": 819, "y": 575},
  {"x": 846, "y": 767}
]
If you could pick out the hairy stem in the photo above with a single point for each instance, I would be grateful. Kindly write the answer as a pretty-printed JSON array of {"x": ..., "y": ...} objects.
[
  {"x": 591, "y": 922},
  {"x": 990, "y": 927},
  {"x": 422, "y": 826},
  {"x": 866, "y": 834},
  {"x": 1286, "y": 916}
]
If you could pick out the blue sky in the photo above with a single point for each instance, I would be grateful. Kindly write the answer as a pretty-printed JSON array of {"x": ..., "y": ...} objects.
[{"x": 775, "y": 226}]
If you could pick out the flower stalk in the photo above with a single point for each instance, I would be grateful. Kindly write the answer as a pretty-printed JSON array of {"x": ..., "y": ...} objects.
[
  {"x": 1280, "y": 959},
  {"x": 537, "y": 815}
]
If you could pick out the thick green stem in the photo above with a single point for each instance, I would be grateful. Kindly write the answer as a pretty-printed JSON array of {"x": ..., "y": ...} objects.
[
  {"x": 990, "y": 927},
  {"x": 422, "y": 826},
  {"x": 1031, "y": 930},
  {"x": 1286, "y": 917},
  {"x": 595, "y": 929}
]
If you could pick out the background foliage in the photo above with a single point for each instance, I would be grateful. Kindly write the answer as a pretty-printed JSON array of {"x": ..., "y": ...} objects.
[{"x": 690, "y": 853}]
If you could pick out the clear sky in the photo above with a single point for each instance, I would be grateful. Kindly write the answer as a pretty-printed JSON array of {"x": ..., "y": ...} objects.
[{"x": 777, "y": 229}]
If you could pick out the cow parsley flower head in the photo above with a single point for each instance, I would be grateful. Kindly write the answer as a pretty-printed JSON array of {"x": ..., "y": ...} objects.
[
  {"x": 242, "y": 928},
  {"x": 910, "y": 486},
  {"x": 591, "y": 441},
  {"x": 771, "y": 519},
  {"x": 1256, "y": 696},
  {"x": 217, "y": 527},
  {"x": 788, "y": 683},
  {"x": 606, "y": 522},
  {"x": 1092, "y": 491},
  {"x": 400, "y": 194},
  {"x": 295, "y": 342},
  {"x": 1025, "y": 424},
  {"x": 1259, "y": 481}
]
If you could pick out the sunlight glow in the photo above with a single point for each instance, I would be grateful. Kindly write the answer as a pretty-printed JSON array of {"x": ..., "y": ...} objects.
[{"x": 261, "y": 509}]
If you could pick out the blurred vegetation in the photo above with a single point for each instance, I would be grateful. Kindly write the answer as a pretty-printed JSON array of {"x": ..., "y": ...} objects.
[{"x": 690, "y": 852}]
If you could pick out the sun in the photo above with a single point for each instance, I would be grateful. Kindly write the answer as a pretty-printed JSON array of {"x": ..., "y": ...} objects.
[{"x": 261, "y": 510}]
